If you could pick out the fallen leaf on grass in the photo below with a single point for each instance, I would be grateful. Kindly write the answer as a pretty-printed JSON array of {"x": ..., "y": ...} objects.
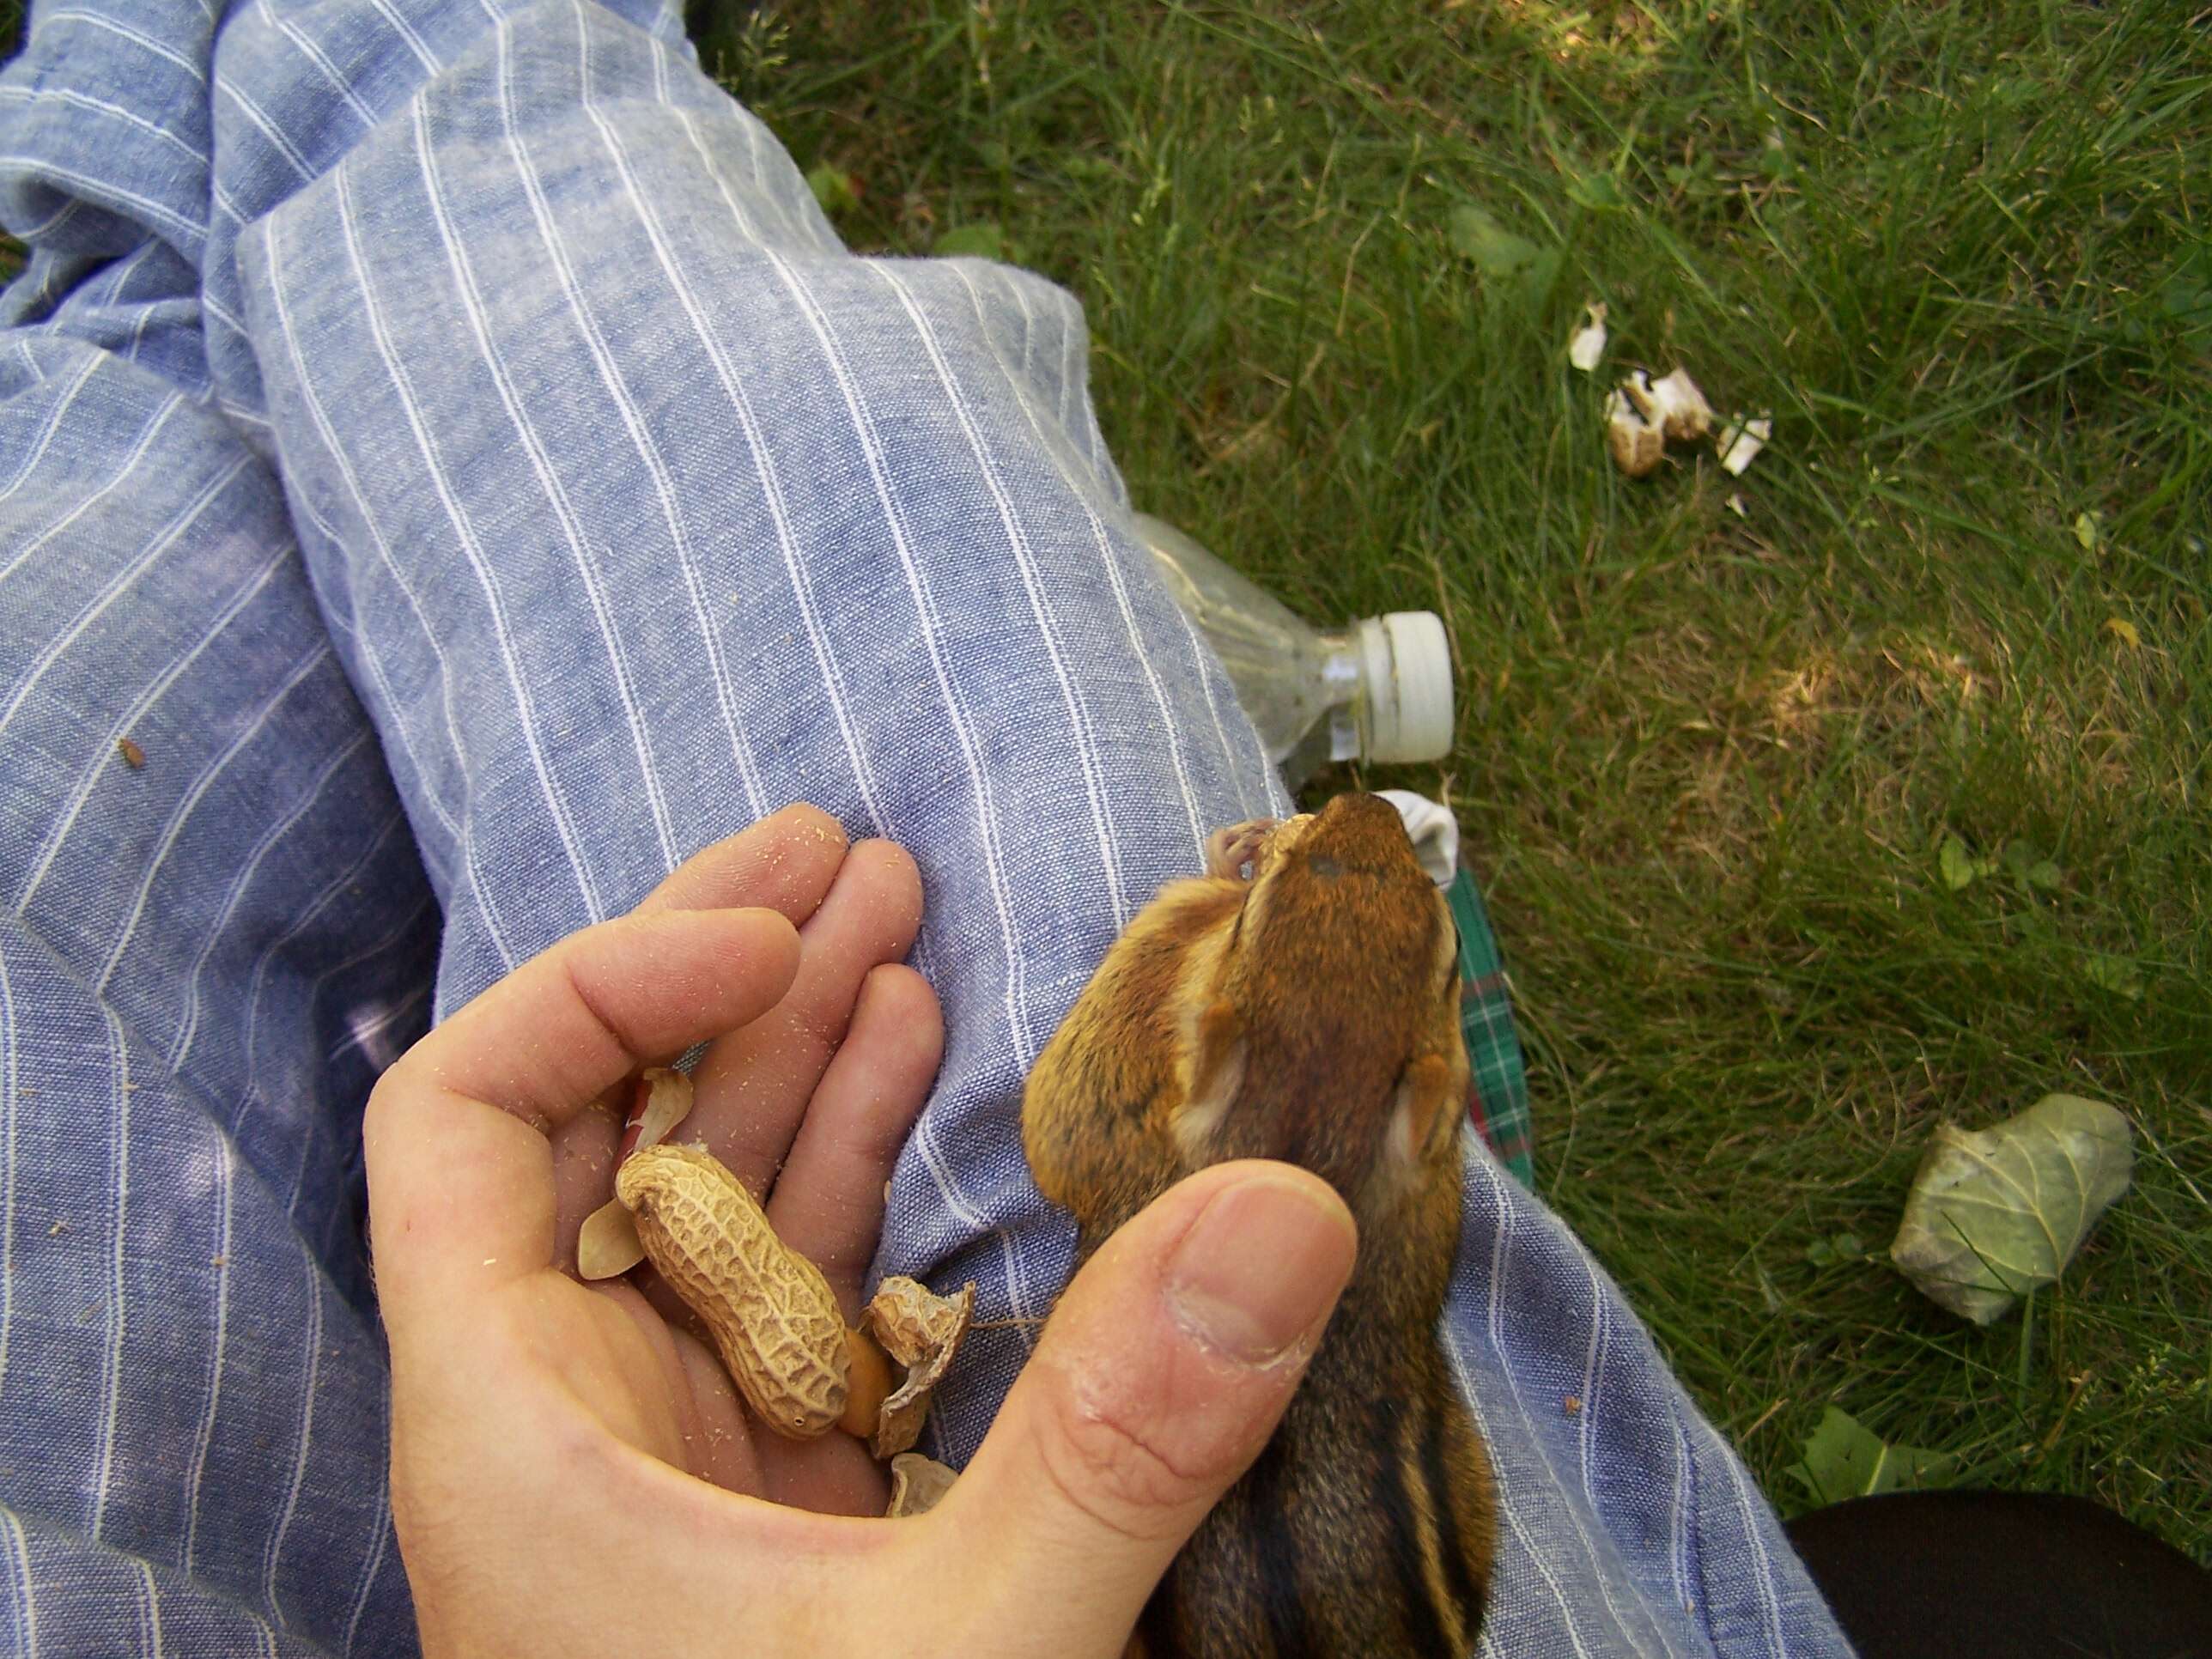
[
  {"x": 1995, "y": 1213},
  {"x": 1836, "y": 1250},
  {"x": 835, "y": 191},
  {"x": 980, "y": 240},
  {"x": 1588, "y": 344},
  {"x": 1960, "y": 868},
  {"x": 1496, "y": 250},
  {"x": 1601, "y": 192},
  {"x": 2124, "y": 631},
  {"x": 2114, "y": 974},
  {"x": 1844, "y": 1459},
  {"x": 2024, "y": 863},
  {"x": 2085, "y": 531}
]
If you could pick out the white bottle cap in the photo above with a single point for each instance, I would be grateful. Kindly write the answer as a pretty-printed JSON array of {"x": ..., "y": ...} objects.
[{"x": 1406, "y": 663}]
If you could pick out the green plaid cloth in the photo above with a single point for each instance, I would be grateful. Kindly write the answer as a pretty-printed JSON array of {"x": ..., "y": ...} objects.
[{"x": 1497, "y": 1085}]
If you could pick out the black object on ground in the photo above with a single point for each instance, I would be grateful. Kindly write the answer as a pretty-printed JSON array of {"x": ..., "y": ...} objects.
[{"x": 1962, "y": 1575}]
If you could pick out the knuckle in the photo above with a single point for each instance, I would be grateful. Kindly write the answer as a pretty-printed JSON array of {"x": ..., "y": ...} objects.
[{"x": 1108, "y": 1466}]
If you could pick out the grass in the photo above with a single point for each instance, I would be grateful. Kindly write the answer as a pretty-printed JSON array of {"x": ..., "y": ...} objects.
[{"x": 1707, "y": 760}]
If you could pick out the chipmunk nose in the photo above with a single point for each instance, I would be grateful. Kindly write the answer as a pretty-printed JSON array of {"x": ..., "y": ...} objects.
[{"x": 1357, "y": 832}]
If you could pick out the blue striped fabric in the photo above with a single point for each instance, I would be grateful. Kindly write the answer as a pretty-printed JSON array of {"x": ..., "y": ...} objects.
[{"x": 455, "y": 452}]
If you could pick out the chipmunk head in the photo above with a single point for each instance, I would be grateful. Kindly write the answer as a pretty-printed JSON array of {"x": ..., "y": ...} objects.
[{"x": 1323, "y": 1029}]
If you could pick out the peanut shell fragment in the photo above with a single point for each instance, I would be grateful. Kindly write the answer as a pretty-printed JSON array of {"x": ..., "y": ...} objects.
[
  {"x": 608, "y": 1247},
  {"x": 773, "y": 1316},
  {"x": 918, "y": 1484},
  {"x": 660, "y": 1100},
  {"x": 1638, "y": 444},
  {"x": 921, "y": 1330}
]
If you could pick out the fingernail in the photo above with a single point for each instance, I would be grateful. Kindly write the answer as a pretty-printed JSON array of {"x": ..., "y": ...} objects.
[{"x": 1260, "y": 1265}]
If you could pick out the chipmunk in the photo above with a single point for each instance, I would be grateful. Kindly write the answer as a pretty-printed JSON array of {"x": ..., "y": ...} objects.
[{"x": 1311, "y": 1015}]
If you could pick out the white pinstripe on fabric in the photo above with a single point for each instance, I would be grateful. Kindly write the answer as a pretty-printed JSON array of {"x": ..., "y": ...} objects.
[
  {"x": 314, "y": 1277},
  {"x": 686, "y": 559},
  {"x": 400, "y": 933},
  {"x": 153, "y": 1604},
  {"x": 113, "y": 112},
  {"x": 53, "y": 221},
  {"x": 1500, "y": 1263},
  {"x": 1763, "y": 1577},
  {"x": 1508, "y": 1512},
  {"x": 55, "y": 415},
  {"x": 1025, "y": 1043},
  {"x": 314, "y": 54},
  {"x": 193, "y": 797},
  {"x": 534, "y": 447},
  {"x": 798, "y": 224},
  {"x": 102, "y": 191},
  {"x": 27, "y": 1617},
  {"x": 1678, "y": 1522},
  {"x": 267, "y": 129},
  {"x": 371, "y": 309},
  {"x": 258, "y": 981},
  {"x": 1078, "y": 720},
  {"x": 145, "y": 314},
  {"x": 1259, "y": 761},
  {"x": 461, "y": 831},
  {"x": 226, "y": 1175},
  {"x": 396, "y": 736},
  {"x": 772, "y": 497},
  {"x": 359, "y": 1037},
  {"x": 180, "y": 1045},
  {"x": 11, "y": 1101},
  {"x": 231, "y": 320},
  {"x": 414, "y": 42},
  {"x": 1066, "y": 366},
  {"x": 58, "y": 834},
  {"x": 376, "y": 1552},
  {"x": 120, "y": 273},
  {"x": 1176, "y": 757},
  {"x": 189, "y": 1022},
  {"x": 125, "y": 31},
  {"x": 947, "y": 1183},
  {"x": 38, "y": 543},
  {"x": 1054, "y": 440},
  {"x": 118, "y": 1064}
]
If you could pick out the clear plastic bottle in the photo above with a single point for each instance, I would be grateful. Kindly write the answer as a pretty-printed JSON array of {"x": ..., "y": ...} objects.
[{"x": 1378, "y": 689}]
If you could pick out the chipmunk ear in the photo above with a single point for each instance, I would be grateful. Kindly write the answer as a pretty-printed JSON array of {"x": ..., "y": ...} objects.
[
  {"x": 1426, "y": 1111},
  {"x": 1217, "y": 1072}
]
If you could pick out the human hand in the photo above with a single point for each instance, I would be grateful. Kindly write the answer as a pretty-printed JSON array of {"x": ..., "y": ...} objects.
[{"x": 571, "y": 1472}]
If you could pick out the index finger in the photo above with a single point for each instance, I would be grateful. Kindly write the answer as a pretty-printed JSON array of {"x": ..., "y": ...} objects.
[{"x": 460, "y": 1173}]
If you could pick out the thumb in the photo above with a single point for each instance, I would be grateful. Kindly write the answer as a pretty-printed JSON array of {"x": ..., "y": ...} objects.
[{"x": 1157, "y": 1381}]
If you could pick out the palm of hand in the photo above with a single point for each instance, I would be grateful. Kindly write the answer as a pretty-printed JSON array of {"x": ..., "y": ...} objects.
[{"x": 829, "y": 1052}]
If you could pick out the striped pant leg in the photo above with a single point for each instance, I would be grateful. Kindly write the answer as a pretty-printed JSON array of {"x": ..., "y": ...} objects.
[{"x": 216, "y": 929}]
